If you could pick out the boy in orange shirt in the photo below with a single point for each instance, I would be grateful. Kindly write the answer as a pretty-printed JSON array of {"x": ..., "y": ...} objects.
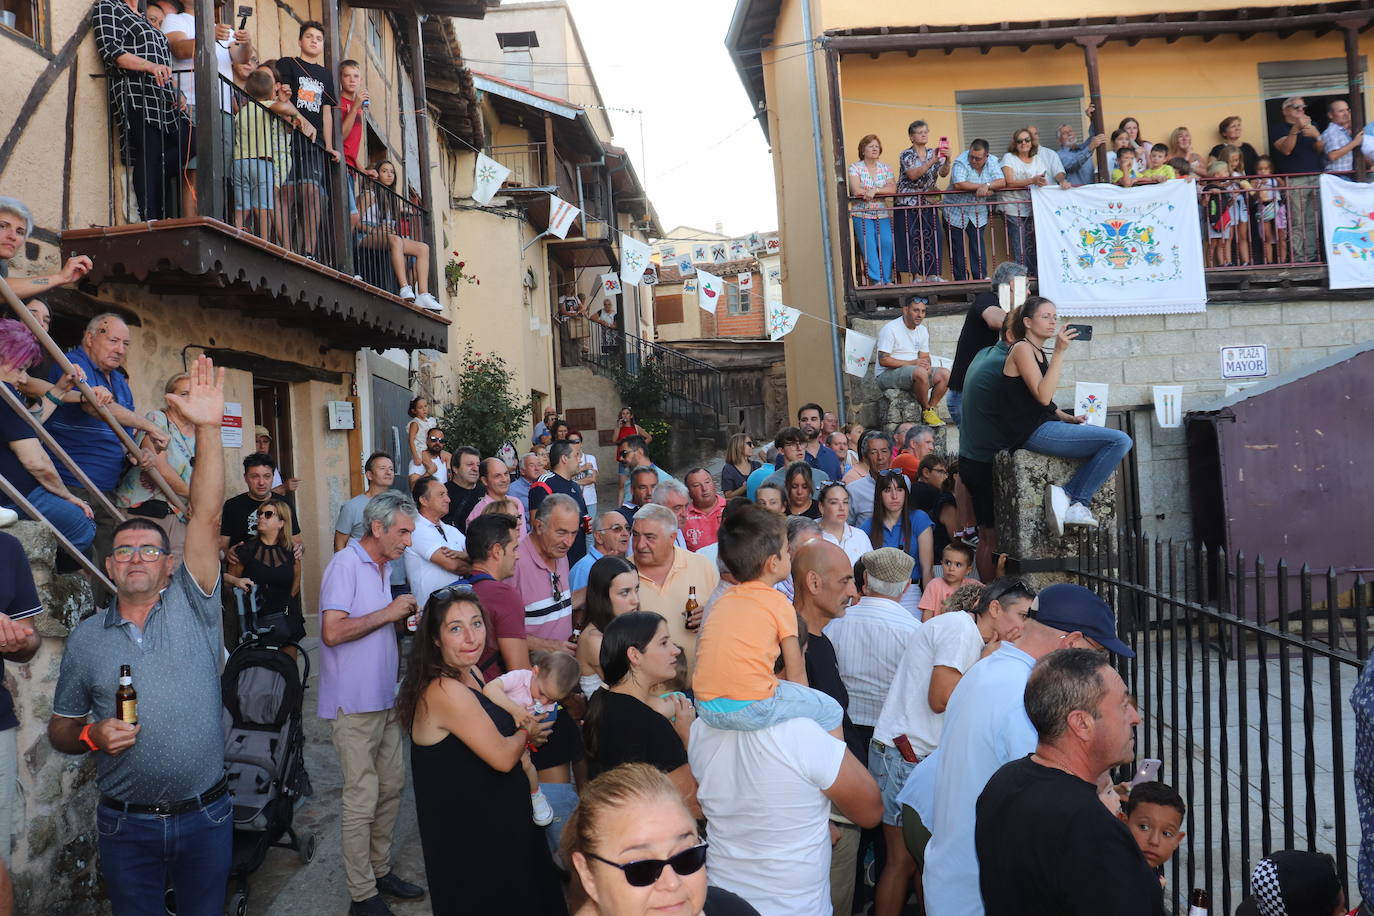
[
  {"x": 955, "y": 564},
  {"x": 749, "y": 626}
]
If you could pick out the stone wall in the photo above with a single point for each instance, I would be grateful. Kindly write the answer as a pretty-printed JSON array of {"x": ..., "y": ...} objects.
[
  {"x": 1133, "y": 353},
  {"x": 54, "y": 856}
]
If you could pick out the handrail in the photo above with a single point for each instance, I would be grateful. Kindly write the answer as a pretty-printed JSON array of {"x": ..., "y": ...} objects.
[
  {"x": 22, "y": 502},
  {"x": 51, "y": 445},
  {"x": 988, "y": 201},
  {"x": 24, "y": 315}
]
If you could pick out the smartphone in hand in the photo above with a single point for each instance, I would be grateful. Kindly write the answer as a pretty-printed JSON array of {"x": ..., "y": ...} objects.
[{"x": 1085, "y": 331}]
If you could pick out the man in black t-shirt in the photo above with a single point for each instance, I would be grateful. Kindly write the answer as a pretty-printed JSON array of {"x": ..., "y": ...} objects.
[
  {"x": 563, "y": 464},
  {"x": 314, "y": 95},
  {"x": 1297, "y": 149},
  {"x": 240, "y": 519},
  {"x": 1048, "y": 845},
  {"x": 464, "y": 486}
]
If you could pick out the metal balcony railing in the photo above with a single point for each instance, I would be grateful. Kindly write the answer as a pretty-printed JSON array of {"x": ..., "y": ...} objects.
[{"x": 525, "y": 161}]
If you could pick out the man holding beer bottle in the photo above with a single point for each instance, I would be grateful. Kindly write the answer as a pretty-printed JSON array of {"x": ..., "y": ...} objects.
[{"x": 163, "y": 776}]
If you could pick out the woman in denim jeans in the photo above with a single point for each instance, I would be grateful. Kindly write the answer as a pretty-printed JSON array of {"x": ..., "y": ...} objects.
[{"x": 1033, "y": 421}]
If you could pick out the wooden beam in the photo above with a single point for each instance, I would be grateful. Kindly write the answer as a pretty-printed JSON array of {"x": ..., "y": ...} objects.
[
  {"x": 1354, "y": 80},
  {"x": 417, "y": 78},
  {"x": 64, "y": 59},
  {"x": 1090, "y": 45}
]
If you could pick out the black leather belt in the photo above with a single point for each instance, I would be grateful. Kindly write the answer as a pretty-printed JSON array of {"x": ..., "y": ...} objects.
[{"x": 169, "y": 809}]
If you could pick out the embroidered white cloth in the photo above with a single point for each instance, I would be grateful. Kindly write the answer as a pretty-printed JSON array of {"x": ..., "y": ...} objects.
[
  {"x": 781, "y": 320},
  {"x": 487, "y": 178},
  {"x": 1105, "y": 250},
  {"x": 634, "y": 259},
  {"x": 1348, "y": 232},
  {"x": 710, "y": 289},
  {"x": 858, "y": 352}
]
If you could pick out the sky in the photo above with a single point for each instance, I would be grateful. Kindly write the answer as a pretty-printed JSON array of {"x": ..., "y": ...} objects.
[{"x": 703, "y": 157}]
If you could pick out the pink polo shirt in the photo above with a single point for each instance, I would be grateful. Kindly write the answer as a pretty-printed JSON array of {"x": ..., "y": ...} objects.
[
  {"x": 701, "y": 526},
  {"x": 548, "y": 610}
]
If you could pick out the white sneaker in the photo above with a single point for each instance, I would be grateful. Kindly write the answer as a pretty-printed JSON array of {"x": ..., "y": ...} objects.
[
  {"x": 1079, "y": 514},
  {"x": 543, "y": 812},
  {"x": 426, "y": 301},
  {"x": 8, "y": 517},
  {"x": 406, "y": 293},
  {"x": 1056, "y": 506}
]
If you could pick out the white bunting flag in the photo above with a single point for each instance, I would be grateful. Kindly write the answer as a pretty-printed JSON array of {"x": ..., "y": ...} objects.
[
  {"x": 719, "y": 252},
  {"x": 710, "y": 290},
  {"x": 858, "y": 352},
  {"x": 746, "y": 282},
  {"x": 685, "y": 268},
  {"x": 561, "y": 216},
  {"x": 772, "y": 244},
  {"x": 700, "y": 254},
  {"x": 634, "y": 257},
  {"x": 781, "y": 320},
  {"x": 1169, "y": 405},
  {"x": 487, "y": 178},
  {"x": 650, "y": 277},
  {"x": 689, "y": 286},
  {"x": 739, "y": 249},
  {"x": 668, "y": 252},
  {"x": 1090, "y": 400},
  {"x": 755, "y": 242},
  {"x": 610, "y": 285}
]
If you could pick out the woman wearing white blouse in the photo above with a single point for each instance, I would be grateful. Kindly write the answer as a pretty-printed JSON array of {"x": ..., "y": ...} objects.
[
  {"x": 1022, "y": 168},
  {"x": 835, "y": 526}
]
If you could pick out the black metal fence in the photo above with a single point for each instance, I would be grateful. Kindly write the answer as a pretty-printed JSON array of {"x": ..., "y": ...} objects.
[{"x": 1242, "y": 673}]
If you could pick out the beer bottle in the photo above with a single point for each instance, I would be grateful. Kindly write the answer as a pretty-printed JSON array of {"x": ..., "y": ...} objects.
[
  {"x": 691, "y": 607},
  {"x": 1199, "y": 903},
  {"x": 126, "y": 698}
]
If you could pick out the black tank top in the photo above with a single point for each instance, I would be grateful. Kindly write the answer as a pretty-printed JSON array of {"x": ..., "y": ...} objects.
[{"x": 1022, "y": 414}]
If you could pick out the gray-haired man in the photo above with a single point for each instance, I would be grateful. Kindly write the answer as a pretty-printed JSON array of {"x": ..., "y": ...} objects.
[{"x": 358, "y": 667}]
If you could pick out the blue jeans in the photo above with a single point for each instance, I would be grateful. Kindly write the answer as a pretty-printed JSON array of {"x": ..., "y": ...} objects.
[
  {"x": 141, "y": 853},
  {"x": 66, "y": 518},
  {"x": 789, "y": 701},
  {"x": 562, "y": 798},
  {"x": 890, "y": 771},
  {"x": 973, "y": 235},
  {"x": 1021, "y": 239},
  {"x": 954, "y": 400},
  {"x": 1104, "y": 448},
  {"x": 874, "y": 237}
]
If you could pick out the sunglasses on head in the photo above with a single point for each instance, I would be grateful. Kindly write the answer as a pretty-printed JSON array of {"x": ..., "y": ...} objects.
[
  {"x": 450, "y": 593},
  {"x": 644, "y": 872},
  {"x": 1014, "y": 587}
]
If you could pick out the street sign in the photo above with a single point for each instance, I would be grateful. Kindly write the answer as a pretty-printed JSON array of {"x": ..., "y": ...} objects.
[{"x": 1245, "y": 362}]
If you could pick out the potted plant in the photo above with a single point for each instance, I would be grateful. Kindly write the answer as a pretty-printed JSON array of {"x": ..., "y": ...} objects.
[{"x": 456, "y": 274}]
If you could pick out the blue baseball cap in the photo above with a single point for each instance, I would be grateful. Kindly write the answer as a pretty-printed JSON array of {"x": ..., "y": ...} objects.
[{"x": 1073, "y": 607}]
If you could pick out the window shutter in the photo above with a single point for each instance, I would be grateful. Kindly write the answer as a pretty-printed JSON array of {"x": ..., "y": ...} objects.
[
  {"x": 1281, "y": 79},
  {"x": 667, "y": 309},
  {"x": 995, "y": 114}
]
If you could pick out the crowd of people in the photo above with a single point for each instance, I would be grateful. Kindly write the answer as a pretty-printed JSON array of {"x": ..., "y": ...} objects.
[
  {"x": 278, "y": 147},
  {"x": 724, "y": 695},
  {"x": 1248, "y": 212}
]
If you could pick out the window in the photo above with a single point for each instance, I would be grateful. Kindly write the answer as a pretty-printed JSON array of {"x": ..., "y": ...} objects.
[
  {"x": 21, "y": 16},
  {"x": 995, "y": 114},
  {"x": 736, "y": 303},
  {"x": 521, "y": 41},
  {"x": 517, "y": 50},
  {"x": 1317, "y": 81},
  {"x": 667, "y": 309},
  {"x": 374, "y": 35}
]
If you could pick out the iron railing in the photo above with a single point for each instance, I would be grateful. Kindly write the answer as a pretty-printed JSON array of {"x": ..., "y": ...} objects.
[
  {"x": 691, "y": 386},
  {"x": 525, "y": 161},
  {"x": 904, "y": 244},
  {"x": 1242, "y": 673}
]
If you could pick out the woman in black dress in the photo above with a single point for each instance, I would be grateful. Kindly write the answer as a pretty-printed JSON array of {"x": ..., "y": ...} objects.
[
  {"x": 268, "y": 560},
  {"x": 797, "y": 483},
  {"x": 629, "y": 721},
  {"x": 739, "y": 464},
  {"x": 483, "y": 853}
]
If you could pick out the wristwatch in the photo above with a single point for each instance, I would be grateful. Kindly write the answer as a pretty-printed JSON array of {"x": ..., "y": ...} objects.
[{"x": 86, "y": 737}]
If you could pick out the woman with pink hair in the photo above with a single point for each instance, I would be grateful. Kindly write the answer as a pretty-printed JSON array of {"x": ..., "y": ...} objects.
[{"x": 23, "y": 461}]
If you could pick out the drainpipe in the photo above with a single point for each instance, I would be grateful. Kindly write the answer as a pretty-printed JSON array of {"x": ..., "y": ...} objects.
[{"x": 828, "y": 256}]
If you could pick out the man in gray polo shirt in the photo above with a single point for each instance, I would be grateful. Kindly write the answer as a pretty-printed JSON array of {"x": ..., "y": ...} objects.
[{"x": 165, "y": 812}]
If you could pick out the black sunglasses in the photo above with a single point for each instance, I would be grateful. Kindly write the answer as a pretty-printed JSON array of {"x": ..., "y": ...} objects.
[
  {"x": 644, "y": 872},
  {"x": 450, "y": 593},
  {"x": 1014, "y": 588}
]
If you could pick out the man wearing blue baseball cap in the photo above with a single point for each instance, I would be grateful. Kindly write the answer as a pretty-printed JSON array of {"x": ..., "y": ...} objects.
[{"x": 986, "y": 726}]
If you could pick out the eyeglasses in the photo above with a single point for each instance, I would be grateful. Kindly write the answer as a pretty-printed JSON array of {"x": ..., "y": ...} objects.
[
  {"x": 148, "y": 553},
  {"x": 1023, "y": 139},
  {"x": 614, "y": 529},
  {"x": 436, "y": 438},
  {"x": 574, "y": 441},
  {"x": 643, "y": 872},
  {"x": 267, "y": 513}
]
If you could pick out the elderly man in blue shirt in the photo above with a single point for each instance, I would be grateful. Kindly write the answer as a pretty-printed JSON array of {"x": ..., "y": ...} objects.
[
  {"x": 1078, "y": 157},
  {"x": 986, "y": 726},
  {"x": 976, "y": 175}
]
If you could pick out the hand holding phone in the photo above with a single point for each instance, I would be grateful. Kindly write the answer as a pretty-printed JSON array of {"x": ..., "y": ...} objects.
[
  {"x": 1085, "y": 331},
  {"x": 1148, "y": 771}
]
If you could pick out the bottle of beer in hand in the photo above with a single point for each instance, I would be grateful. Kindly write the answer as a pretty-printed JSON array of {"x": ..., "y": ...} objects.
[
  {"x": 1199, "y": 903},
  {"x": 126, "y": 698},
  {"x": 691, "y": 607}
]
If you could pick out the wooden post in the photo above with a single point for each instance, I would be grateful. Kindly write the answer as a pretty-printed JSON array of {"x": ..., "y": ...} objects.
[
  {"x": 550, "y": 172},
  {"x": 1355, "y": 85},
  {"x": 1090, "y": 44},
  {"x": 417, "y": 76},
  {"x": 335, "y": 212},
  {"x": 832, "y": 79},
  {"x": 211, "y": 168}
]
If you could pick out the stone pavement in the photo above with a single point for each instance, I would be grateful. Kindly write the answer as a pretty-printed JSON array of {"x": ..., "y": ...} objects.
[{"x": 285, "y": 887}]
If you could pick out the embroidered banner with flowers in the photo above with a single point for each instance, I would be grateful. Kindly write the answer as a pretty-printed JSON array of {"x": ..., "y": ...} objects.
[{"x": 1104, "y": 250}]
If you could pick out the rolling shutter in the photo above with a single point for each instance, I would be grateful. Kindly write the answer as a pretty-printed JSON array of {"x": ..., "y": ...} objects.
[
  {"x": 1281, "y": 79},
  {"x": 995, "y": 114}
]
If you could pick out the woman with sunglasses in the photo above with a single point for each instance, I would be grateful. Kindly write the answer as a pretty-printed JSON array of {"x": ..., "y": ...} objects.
[
  {"x": 267, "y": 560},
  {"x": 624, "y": 722},
  {"x": 796, "y": 483},
  {"x": 482, "y": 851},
  {"x": 636, "y": 849},
  {"x": 734, "y": 474},
  {"x": 612, "y": 590},
  {"x": 1024, "y": 167},
  {"x": 896, "y": 524}
]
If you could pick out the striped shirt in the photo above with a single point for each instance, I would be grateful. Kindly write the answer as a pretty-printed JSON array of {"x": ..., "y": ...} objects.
[
  {"x": 870, "y": 640},
  {"x": 545, "y": 590}
]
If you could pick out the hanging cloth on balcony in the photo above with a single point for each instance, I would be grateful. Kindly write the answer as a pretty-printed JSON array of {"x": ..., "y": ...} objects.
[
  {"x": 1348, "y": 232},
  {"x": 1105, "y": 250},
  {"x": 487, "y": 177},
  {"x": 634, "y": 258},
  {"x": 561, "y": 216}
]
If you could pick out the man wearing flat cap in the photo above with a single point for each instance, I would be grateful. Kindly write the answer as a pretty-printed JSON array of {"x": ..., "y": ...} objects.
[{"x": 263, "y": 441}]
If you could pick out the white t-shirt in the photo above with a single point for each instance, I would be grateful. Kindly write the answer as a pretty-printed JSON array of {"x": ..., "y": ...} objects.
[
  {"x": 589, "y": 489},
  {"x": 763, "y": 793},
  {"x": 184, "y": 71},
  {"x": 855, "y": 543},
  {"x": 951, "y": 640},
  {"x": 425, "y": 575},
  {"x": 440, "y": 470},
  {"x": 901, "y": 342},
  {"x": 1022, "y": 171}
]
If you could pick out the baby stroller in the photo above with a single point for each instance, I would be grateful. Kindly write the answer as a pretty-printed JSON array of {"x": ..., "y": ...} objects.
[{"x": 263, "y": 690}]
